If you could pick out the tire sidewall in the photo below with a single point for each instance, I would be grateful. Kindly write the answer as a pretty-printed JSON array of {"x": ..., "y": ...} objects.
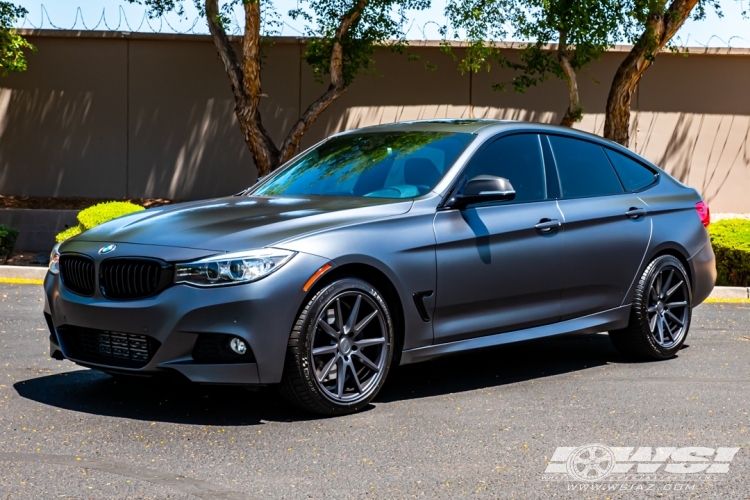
[
  {"x": 316, "y": 306},
  {"x": 659, "y": 264}
]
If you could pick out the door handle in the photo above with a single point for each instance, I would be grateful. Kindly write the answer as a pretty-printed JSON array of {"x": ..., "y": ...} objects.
[
  {"x": 547, "y": 225},
  {"x": 635, "y": 212}
]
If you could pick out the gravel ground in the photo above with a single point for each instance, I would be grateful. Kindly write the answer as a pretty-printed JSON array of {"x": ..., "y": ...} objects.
[{"x": 484, "y": 425}]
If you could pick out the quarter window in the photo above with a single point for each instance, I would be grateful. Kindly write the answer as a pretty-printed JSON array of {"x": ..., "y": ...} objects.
[
  {"x": 518, "y": 158},
  {"x": 633, "y": 175},
  {"x": 584, "y": 168}
]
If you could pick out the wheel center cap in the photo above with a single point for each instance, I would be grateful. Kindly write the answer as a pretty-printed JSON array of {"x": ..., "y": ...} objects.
[{"x": 345, "y": 346}]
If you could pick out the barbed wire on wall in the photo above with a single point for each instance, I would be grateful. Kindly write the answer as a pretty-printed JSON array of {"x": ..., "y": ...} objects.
[
  {"x": 727, "y": 43},
  {"x": 198, "y": 26},
  {"x": 45, "y": 22},
  {"x": 162, "y": 24},
  {"x": 145, "y": 24}
]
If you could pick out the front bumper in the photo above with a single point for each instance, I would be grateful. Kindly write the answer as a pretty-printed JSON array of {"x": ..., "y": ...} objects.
[{"x": 261, "y": 313}]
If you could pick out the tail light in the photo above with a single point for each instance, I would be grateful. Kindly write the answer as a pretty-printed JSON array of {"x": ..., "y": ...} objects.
[{"x": 704, "y": 213}]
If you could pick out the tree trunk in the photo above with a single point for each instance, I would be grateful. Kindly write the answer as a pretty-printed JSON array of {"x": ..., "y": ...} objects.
[
  {"x": 574, "y": 113},
  {"x": 660, "y": 27},
  {"x": 335, "y": 89},
  {"x": 246, "y": 83},
  {"x": 245, "y": 80}
]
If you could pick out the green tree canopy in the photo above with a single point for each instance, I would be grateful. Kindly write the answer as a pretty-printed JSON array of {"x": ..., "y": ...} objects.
[
  {"x": 582, "y": 30},
  {"x": 12, "y": 45}
]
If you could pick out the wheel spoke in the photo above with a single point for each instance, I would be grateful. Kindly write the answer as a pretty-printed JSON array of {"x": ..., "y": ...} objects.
[
  {"x": 660, "y": 324},
  {"x": 327, "y": 368},
  {"x": 665, "y": 286},
  {"x": 328, "y": 329},
  {"x": 353, "y": 315},
  {"x": 675, "y": 304},
  {"x": 669, "y": 329},
  {"x": 675, "y": 318},
  {"x": 340, "y": 378},
  {"x": 672, "y": 290},
  {"x": 339, "y": 316},
  {"x": 652, "y": 323},
  {"x": 362, "y": 324},
  {"x": 651, "y": 309},
  {"x": 356, "y": 378},
  {"x": 366, "y": 361},
  {"x": 329, "y": 349},
  {"x": 658, "y": 285},
  {"x": 369, "y": 342}
]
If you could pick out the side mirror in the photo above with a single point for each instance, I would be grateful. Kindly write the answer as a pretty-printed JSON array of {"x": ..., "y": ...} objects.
[{"x": 482, "y": 189}]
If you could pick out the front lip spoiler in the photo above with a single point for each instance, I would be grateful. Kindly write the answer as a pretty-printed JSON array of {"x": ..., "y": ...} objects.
[
  {"x": 204, "y": 373},
  {"x": 114, "y": 370}
]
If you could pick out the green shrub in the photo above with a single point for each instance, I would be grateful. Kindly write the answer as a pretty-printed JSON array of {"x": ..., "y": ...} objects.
[
  {"x": 8, "y": 236},
  {"x": 730, "y": 239},
  {"x": 98, "y": 214},
  {"x": 69, "y": 233},
  {"x": 104, "y": 212}
]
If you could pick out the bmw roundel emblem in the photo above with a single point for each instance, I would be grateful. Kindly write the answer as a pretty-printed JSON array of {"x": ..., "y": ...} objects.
[{"x": 107, "y": 249}]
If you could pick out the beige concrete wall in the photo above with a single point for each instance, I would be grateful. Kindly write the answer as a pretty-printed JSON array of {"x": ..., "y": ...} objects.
[
  {"x": 63, "y": 123},
  {"x": 114, "y": 115}
]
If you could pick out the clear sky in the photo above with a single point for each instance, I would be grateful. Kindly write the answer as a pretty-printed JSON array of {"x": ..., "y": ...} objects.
[{"x": 731, "y": 30}]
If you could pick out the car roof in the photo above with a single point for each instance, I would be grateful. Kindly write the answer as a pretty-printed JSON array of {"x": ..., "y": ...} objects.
[
  {"x": 474, "y": 126},
  {"x": 465, "y": 125}
]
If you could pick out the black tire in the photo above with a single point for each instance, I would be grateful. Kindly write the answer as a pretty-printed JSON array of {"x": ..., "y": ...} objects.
[
  {"x": 301, "y": 384},
  {"x": 639, "y": 340}
]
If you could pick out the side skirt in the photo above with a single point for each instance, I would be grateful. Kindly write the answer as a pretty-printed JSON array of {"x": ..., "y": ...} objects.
[{"x": 611, "y": 319}]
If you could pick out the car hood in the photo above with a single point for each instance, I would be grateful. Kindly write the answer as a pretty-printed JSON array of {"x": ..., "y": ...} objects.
[{"x": 241, "y": 222}]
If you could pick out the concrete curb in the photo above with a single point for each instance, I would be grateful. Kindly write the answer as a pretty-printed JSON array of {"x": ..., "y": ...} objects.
[
  {"x": 23, "y": 272},
  {"x": 730, "y": 292}
]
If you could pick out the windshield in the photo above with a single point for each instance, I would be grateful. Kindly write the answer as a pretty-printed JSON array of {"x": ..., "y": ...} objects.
[{"x": 378, "y": 165}]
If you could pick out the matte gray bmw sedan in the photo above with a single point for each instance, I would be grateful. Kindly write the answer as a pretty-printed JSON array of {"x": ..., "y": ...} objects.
[{"x": 389, "y": 245}]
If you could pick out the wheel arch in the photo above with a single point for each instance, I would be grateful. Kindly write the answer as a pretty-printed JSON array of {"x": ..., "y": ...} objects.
[
  {"x": 667, "y": 248},
  {"x": 680, "y": 254},
  {"x": 379, "y": 280}
]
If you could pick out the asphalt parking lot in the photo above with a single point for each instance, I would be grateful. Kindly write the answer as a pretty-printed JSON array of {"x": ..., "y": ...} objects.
[{"x": 483, "y": 424}]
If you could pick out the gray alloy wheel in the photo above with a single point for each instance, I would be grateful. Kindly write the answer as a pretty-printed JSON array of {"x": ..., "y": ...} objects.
[
  {"x": 661, "y": 312},
  {"x": 340, "y": 349}
]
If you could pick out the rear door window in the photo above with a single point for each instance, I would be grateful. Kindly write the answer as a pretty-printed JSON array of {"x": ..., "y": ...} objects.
[
  {"x": 517, "y": 158},
  {"x": 584, "y": 168},
  {"x": 633, "y": 175}
]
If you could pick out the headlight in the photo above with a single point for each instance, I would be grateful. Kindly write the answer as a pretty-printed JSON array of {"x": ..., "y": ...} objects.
[
  {"x": 231, "y": 268},
  {"x": 54, "y": 259}
]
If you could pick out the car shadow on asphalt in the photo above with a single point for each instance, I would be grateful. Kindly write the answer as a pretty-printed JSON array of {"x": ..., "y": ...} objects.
[
  {"x": 172, "y": 400},
  {"x": 508, "y": 364},
  {"x": 179, "y": 401}
]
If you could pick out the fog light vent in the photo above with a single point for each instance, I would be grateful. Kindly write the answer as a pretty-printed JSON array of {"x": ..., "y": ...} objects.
[{"x": 221, "y": 348}]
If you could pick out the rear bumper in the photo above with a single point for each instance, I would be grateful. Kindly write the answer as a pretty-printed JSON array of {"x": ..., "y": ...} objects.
[
  {"x": 260, "y": 313},
  {"x": 703, "y": 271}
]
